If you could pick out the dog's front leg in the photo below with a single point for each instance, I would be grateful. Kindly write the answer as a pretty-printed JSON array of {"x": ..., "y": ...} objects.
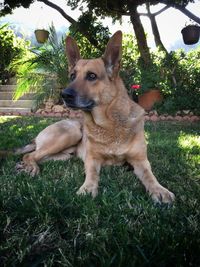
[
  {"x": 158, "y": 193},
  {"x": 92, "y": 169}
]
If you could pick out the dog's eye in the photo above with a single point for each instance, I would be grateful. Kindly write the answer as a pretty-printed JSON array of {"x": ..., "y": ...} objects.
[
  {"x": 72, "y": 76},
  {"x": 91, "y": 76}
]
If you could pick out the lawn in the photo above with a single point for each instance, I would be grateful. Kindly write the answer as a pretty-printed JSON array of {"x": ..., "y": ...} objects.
[{"x": 44, "y": 223}]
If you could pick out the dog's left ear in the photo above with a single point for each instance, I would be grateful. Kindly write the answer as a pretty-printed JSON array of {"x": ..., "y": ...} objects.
[
  {"x": 72, "y": 51},
  {"x": 112, "y": 55}
]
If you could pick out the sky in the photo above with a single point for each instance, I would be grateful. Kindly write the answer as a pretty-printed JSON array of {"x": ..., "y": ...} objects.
[{"x": 169, "y": 22}]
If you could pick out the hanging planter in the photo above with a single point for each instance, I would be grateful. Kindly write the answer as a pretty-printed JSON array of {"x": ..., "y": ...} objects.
[
  {"x": 41, "y": 35},
  {"x": 191, "y": 34}
]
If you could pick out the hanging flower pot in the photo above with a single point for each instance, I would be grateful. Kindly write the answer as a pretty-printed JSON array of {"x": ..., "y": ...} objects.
[
  {"x": 191, "y": 34},
  {"x": 41, "y": 35}
]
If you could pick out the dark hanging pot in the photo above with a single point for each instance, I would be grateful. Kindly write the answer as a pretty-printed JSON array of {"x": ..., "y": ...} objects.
[
  {"x": 41, "y": 36},
  {"x": 191, "y": 34}
]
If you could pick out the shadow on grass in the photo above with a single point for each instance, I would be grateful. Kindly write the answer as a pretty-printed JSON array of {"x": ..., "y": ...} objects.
[
  {"x": 44, "y": 223},
  {"x": 174, "y": 152},
  {"x": 18, "y": 131}
]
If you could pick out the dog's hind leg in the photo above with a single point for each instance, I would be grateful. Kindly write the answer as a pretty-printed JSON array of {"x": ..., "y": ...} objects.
[
  {"x": 64, "y": 155},
  {"x": 54, "y": 142},
  {"x": 31, "y": 160}
]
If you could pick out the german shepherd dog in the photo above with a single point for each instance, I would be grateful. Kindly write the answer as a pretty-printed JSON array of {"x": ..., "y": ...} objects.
[{"x": 112, "y": 131}]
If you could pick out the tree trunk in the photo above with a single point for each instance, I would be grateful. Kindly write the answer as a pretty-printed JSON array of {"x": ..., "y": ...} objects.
[
  {"x": 155, "y": 30},
  {"x": 140, "y": 34}
]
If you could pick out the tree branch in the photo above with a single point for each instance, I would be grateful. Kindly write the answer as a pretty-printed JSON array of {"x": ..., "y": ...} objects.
[
  {"x": 161, "y": 10},
  {"x": 183, "y": 10},
  {"x": 156, "y": 13},
  {"x": 60, "y": 10},
  {"x": 72, "y": 21}
]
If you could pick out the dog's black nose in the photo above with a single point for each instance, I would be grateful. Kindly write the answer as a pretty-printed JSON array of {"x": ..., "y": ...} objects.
[{"x": 68, "y": 94}]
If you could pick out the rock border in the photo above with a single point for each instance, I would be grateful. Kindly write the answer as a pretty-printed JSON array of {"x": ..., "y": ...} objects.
[{"x": 61, "y": 111}]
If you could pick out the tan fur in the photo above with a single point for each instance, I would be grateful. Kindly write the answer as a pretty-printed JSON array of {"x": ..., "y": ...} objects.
[
  {"x": 112, "y": 131},
  {"x": 55, "y": 142}
]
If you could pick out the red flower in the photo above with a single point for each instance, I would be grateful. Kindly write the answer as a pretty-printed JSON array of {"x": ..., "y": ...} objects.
[{"x": 135, "y": 86}]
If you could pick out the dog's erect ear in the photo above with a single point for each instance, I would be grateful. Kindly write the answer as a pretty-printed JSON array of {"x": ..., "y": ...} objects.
[
  {"x": 72, "y": 51},
  {"x": 112, "y": 55}
]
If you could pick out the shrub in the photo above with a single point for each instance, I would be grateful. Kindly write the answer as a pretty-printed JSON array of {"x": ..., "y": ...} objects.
[
  {"x": 12, "y": 47},
  {"x": 181, "y": 81},
  {"x": 176, "y": 74}
]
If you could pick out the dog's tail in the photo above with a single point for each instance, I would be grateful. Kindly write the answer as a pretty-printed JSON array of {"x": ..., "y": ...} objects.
[{"x": 18, "y": 151}]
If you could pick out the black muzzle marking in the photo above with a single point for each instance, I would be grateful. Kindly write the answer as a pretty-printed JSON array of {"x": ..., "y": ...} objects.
[{"x": 73, "y": 100}]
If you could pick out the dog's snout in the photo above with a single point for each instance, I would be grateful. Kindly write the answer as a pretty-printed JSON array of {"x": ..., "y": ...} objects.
[
  {"x": 75, "y": 100},
  {"x": 68, "y": 94}
]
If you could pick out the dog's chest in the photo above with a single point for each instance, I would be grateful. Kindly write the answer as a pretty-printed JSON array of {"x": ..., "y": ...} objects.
[
  {"x": 111, "y": 144},
  {"x": 111, "y": 136}
]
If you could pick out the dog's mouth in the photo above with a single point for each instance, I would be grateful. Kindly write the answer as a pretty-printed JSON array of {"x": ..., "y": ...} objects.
[
  {"x": 75, "y": 101},
  {"x": 85, "y": 106}
]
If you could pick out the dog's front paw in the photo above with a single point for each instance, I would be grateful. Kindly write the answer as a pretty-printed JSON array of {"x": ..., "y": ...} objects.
[
  {"x": 88, "y": 188},
  {"x": 160, "y": 195}
]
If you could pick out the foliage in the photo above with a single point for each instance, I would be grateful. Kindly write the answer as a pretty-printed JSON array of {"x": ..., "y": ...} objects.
[
  {"x": 8, "y": 5},
  {"x": 11, "y": 47},
  {"x": 101, "y": 7},
  {"x": 176, "y": 74},
  {"x": 44, "y": 70},
  {"x": 44, "y": 223},
  {"x": 87, "y": 22},
  {"x": 130, "y": 72},
  {"x": 115, "y": 9},
  {"x": 181, "y": 81},
  {"x": 133, "y": 70}
]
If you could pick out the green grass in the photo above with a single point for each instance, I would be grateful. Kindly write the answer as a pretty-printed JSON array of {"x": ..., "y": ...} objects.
[{"x": 44, "y": 223}]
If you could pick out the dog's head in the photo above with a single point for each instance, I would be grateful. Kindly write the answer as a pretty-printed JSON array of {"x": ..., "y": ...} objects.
[{"x": 92, "y": 79}]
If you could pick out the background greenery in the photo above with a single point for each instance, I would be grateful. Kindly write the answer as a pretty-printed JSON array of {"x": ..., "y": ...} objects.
[
  {"x": 44, "y": 223},
  {"x": 43, "y": 69},
  {"x": 11, "y": 48}
]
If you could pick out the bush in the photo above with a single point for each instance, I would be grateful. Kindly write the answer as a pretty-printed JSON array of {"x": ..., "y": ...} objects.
[
  {"x": 181, "y": 81},
  {"x": 12, "y": 48},
  {"x": 176, "y": 74}
]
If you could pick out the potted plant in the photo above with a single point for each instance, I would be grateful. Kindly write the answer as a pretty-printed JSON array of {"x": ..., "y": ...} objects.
[
  {"x": 41, "y": 35},
  {"x": 147, "y": 92},
  {"x": 146, "y": 99},
  {"x": 150, "y": 98},
  {"x": 191, "y": 34}
]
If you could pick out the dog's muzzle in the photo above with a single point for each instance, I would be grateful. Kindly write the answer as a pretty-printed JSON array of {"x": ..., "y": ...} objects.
[{"x": 73, "y": 100}]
